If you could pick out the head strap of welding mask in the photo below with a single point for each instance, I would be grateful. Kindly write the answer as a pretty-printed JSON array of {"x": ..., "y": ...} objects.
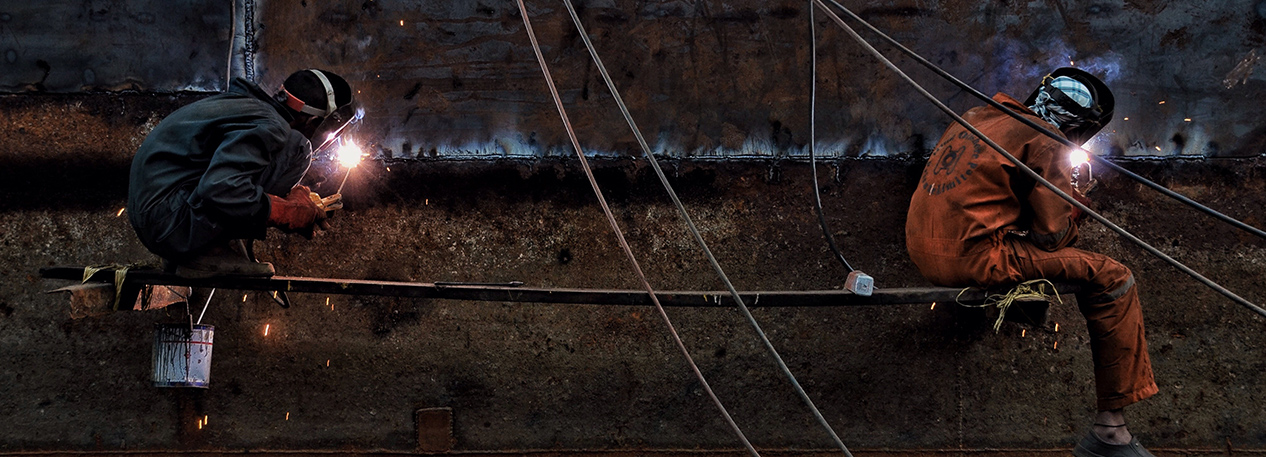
[{"x": 299, "y": 105}]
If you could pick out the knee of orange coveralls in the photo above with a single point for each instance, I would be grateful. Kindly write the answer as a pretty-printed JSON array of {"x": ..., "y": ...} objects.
[
  {"x": 1111, "y": 307},
  {"x": 1109, "y": 281}
]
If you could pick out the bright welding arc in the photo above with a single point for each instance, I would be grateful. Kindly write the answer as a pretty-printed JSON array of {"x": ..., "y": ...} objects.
[
  {"x": 1078, "y": 157},
  {"x": 694, "y": 231},
  {"x": 628, "y": 251},
  {"x": 349, "y": 155},
  {"x": 1032, "y": 174},
  {"x": 1044, "y": 130}
]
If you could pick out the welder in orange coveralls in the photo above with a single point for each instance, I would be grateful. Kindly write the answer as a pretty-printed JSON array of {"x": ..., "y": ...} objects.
[{"x": 976, "y": 220}]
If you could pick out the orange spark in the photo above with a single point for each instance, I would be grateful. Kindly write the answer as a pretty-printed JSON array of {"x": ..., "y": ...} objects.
[{"x": 266, "y": 329}]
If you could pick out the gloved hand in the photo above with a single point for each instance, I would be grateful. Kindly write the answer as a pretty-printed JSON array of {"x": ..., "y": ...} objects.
[
  {"x": 295, "y": 213},
  {"x": 1078, "y": 215}
]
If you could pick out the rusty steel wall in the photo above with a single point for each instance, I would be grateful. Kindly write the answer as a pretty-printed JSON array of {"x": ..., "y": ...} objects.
[
  {"x": 94, "y": 45},
  {"x": 717, "y": 79},
  {"x": 348, "y": 373},
  {"x": 707, "y": 80},
  {"x": 730, "y": 79}
]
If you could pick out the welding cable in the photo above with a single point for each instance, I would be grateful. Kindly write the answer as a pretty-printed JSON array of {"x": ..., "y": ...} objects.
[
  {"x": 624, "y": 245},
  {"x": 204, "y": 307},
  {"x": 663, "y": 179},
  {"x": 1029, "y": 171},
  {"x": 813, "y": 163},
  {"x": 1045, "y": 131}
]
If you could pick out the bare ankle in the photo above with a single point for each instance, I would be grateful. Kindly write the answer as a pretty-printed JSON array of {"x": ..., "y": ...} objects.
[
  {"x": 1110, "y": 427},
  {"x": 1113, "y": 435}
]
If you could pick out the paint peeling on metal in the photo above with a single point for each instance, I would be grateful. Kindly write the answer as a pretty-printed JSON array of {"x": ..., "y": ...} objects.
[
  {"x": 730, "y": 80},
  {"x": 702, "y": 79},
  {"x": 147, "y": 45}
]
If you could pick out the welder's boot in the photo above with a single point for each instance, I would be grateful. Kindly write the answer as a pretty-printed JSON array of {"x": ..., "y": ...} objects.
[{"x": 224, "y": 259}]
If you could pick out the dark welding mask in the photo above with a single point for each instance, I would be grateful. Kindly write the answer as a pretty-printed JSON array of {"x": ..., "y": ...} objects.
[
  {"x": 1086, "y": 120},
  {"x": 341, "y": 112}
]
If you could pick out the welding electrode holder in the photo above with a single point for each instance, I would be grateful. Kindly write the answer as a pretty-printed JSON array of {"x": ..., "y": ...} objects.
[
  {"x": 1083, "y": 181},
  {"x": 859, "y": 283},
  {"x": 326, "y": 204}
]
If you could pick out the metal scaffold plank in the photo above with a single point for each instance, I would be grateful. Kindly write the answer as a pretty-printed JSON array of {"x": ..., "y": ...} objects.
[{"x": 508, "y": 293}]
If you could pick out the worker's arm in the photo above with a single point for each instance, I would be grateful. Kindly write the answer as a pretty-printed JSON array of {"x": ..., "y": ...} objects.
[
  {"x": 1054, "y": 225},
  {"x": 231, "y": 186}
]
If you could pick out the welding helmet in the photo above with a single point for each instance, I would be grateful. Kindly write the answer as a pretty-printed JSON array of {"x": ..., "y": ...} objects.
[
  {"x": 1088, "y": 119},
  {"x": 326, "y": 97}
]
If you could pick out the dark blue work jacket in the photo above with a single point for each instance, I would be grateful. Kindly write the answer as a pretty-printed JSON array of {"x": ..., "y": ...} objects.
[{"x": 202, "y": 174}]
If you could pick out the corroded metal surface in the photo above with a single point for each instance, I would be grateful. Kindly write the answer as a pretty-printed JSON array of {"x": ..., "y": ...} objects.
[
  {"x": 349, "y": 373},
  {"x": 704, "y": 79},
  {"x": 730, "y": 79},
  {"x": 604, "y": 378},
  {"x": 94, "y": 45}
]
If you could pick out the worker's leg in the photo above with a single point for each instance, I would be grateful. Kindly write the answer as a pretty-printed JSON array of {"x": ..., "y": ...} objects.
[
  {"x": 989, "y": 263},
  {"x": 192, "y": 246},
  {"x": 1123, "y": 371},
  {"x": 168, "y": 229},
  {"x": 1114, "y": 318},
  {"x": 1119, "y": 348}
]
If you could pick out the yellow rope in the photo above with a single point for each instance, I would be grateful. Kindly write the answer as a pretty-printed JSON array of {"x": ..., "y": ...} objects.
[
  {"x": 120, "y": 275},
  {"x": 1025, "y": 291}
]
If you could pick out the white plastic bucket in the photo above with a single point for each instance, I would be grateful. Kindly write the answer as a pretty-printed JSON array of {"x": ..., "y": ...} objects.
[{"x": 182, "y": 358}]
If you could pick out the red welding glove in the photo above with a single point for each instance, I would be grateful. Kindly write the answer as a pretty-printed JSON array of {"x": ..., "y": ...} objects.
[{"x": 296, "y": 213}]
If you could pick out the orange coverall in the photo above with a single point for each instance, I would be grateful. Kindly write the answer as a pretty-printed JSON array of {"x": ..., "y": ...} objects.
[{"x": 966, "y": 227}]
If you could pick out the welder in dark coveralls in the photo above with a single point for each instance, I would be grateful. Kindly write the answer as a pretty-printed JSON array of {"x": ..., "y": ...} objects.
[
  {"x": 976, "y": 220},
  {"x": 223, "y": 169}
]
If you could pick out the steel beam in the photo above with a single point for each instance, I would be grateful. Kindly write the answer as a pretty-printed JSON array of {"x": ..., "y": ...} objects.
[{"x": 506, "y": 293}]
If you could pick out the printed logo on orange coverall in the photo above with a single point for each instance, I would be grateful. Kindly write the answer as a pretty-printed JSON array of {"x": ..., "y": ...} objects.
[{"x": 942, "y": 172}]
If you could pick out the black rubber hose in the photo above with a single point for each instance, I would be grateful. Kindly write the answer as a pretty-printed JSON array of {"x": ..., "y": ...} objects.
[{"x": 813, "y": 162}]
